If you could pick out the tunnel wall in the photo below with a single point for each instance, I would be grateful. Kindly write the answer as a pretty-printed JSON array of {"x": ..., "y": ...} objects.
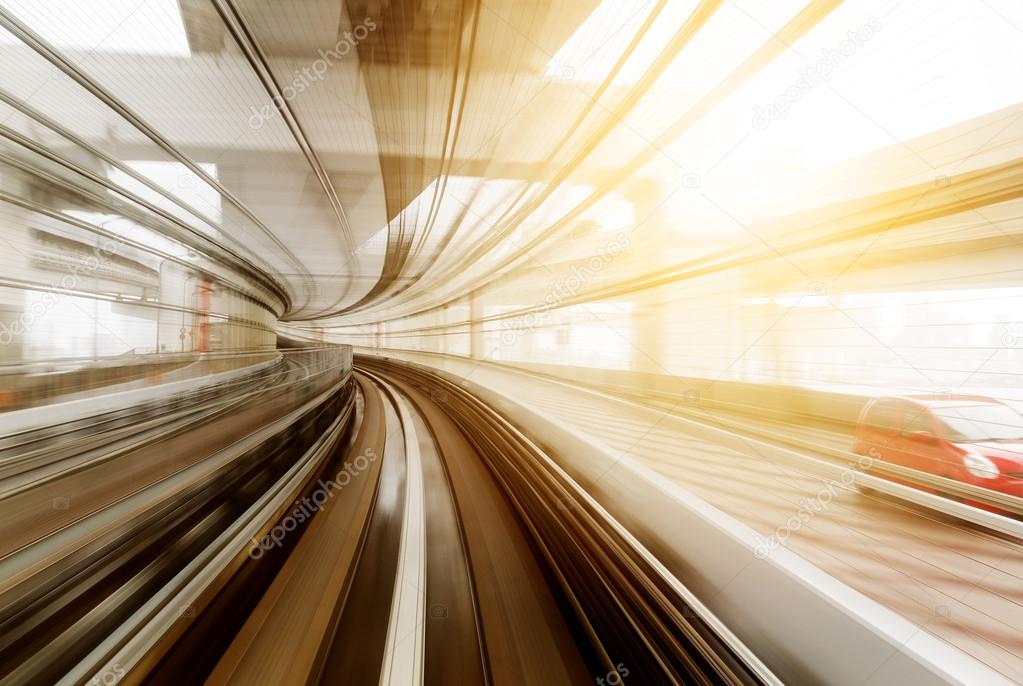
[
  {"x": 778, "y": 402},
  {"x": 77, "y": 283}
]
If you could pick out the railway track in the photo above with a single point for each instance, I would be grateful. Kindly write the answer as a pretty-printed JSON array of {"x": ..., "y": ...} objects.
[
  {"x": 626, "y": 612},
  {"x": 505, "y": 573},
  {"x": 908, "y": 558},
  {"x": 387, "y": 527},
  {"x": 87, "y": 545}
]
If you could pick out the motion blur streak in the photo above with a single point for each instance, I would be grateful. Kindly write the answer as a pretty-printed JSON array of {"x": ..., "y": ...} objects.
[{"x": 511, "y": 341}]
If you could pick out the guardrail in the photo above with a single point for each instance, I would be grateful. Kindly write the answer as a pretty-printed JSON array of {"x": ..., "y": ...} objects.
[
  {"x": 312, "y": 429},
  {"x": 32, "y": 384},
  {"x": 807, "y": 406},
  {"x": 202, "y": 375},
  {"x": 805, "y": 625},
  {"x": 770, "y": 401}
]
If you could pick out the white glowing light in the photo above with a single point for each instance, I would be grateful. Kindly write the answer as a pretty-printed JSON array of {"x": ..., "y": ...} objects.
[{"x": 141, "y": 27}]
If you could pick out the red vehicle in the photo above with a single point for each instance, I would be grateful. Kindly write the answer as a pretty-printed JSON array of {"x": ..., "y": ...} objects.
[{"x": 968, "y": 438}]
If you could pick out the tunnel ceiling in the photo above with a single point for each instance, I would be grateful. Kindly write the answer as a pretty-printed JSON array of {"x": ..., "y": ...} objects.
[
  {"x": 374, "y": 158},
  {"x": 301, "y": 129}
]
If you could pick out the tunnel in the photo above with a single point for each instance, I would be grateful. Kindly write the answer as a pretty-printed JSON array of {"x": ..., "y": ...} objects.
[{"x": 511, "y": 342}]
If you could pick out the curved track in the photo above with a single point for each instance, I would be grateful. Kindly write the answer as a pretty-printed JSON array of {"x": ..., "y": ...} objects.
[
  {"x": 458, "y": 553},
  {"x": 381, "y": 527},
  {"x": 95, "y": 526}
]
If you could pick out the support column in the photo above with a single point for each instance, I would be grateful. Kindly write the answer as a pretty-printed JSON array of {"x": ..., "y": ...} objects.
[
  {"x": 16, "y": 264},
  {"x": 651, "y": 314},
  {"x": 477, "y": 342},
  {"x": 177, "y": 288},
  {"x": 649, "y": 321}
]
